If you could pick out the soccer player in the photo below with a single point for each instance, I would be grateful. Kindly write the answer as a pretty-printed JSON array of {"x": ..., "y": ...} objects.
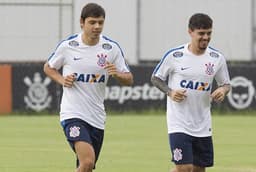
[
  {"x": 189, "y": 70},
  {"x": 87, "y": 59}
]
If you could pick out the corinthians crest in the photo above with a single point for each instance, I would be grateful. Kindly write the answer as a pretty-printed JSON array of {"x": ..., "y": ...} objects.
[
  {"x": 37, "y": 95},
  {"x": 102, "y": 59},
  {"x": 209, "y": 68}
]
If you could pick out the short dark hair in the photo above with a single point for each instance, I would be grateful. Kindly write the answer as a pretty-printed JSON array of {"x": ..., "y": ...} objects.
[
  {"x": 92, "y": 10},
  {"x": 200, "y": 21}
]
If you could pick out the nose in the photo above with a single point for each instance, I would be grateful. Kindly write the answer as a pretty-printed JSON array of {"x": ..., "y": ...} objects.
[
  {"x": 97, "y": 25},
  {"x": 205, "y": 36}
]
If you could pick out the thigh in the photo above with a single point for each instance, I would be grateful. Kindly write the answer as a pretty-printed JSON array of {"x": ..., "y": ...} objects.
[
  {"x": 198, "y": 169},
  {"x": 84, "y": 152},
  {"x": 181, "y": 148},
  {"x": 76, "y": 130},
  {"x": 203, "y": 151}
]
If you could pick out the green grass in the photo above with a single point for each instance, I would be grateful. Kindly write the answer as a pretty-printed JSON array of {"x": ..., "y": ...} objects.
[{"x": 133, "y": 143}]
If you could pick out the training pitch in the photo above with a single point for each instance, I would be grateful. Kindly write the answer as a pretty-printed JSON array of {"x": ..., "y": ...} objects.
[{"x": 133, "y": 143}]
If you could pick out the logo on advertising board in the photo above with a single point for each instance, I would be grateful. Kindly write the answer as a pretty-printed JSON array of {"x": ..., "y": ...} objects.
[
  {"x": 242, "y": 92},
  {"x": 139, "y": 92},
  {"x": 37, "y": 97}
]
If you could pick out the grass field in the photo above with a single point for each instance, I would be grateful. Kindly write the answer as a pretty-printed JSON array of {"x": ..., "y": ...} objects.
[{"x": 133, "y": 143}]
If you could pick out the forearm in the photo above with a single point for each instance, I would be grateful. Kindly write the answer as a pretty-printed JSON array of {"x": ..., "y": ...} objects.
[
  {"x": 160, "y": 84},
  {"x": 226, "y": 88},
  {"x": 124, "y": 78},
  {"x": 53, "y": 74},
  {"x": 219, "y": 94}
]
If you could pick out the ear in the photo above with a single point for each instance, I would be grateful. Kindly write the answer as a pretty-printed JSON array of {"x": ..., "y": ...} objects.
[
  {"x": 81, "y": 22},
  {"x": 190, "y": 31}
]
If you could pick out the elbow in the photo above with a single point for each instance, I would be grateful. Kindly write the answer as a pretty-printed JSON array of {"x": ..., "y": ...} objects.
[
  {"x": 153, "y": 79},
  {"x": 46, "y": 66},
  {"x": 47, "y": 69},
  {"x": 130, "y": 81}
]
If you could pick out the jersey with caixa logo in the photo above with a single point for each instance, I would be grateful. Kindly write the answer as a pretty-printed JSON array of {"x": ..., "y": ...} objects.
[
  {"x": 85, "y": 99},
  {"x": 195, "y": 74}
]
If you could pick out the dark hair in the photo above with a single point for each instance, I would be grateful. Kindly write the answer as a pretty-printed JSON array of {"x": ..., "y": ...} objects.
[
  {"x": 200, "y": 21},
  {"x": 92, "y": 10}
]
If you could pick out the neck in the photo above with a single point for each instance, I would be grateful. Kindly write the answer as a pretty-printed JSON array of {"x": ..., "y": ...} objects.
[
  {"x": 195, "y": 50},
  {"x": 90, "y": 40}
]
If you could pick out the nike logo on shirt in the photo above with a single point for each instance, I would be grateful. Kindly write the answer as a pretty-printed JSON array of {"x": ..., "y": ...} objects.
[
  {"x": 184, "y": 68},
  {"x": 77, "y": 58}
]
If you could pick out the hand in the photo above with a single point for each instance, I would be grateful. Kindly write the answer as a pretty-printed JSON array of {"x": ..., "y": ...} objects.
[
  {"x": 111, "y": 69},
  {"x": 69, "y": 80},
  {"x": 218, "y": 95},
  {"x": 177, "y": 95}
]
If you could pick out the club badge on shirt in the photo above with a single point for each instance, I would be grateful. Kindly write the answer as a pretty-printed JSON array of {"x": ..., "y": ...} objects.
[
  {"x": 73, "y": 43},
  {"x": 106, "y": 46},
  {"x": 209, "y": 68},
  {"x": 102, "y": 59}
]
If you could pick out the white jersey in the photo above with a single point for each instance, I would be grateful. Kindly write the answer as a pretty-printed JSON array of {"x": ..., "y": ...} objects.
[
  {"x": 85, "y": 100},
  {"x": 184, "y": 70}
]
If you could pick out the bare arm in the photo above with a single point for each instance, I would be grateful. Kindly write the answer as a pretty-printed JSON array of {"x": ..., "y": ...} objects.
[
  {"x": 124, "y": 78},
  {"x": 54, "y": 74},
  {"x": 160, "y": 84},
  {"x": 176, "y": 95},
  {"x": 219, "y": 94}
]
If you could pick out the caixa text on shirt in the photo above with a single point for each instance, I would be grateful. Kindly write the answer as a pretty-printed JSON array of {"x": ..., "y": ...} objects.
[
  {"x": 90, "y": 78},
  {"x": 195, "y": 85}
]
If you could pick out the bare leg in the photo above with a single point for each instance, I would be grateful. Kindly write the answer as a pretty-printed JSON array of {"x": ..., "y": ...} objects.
[
  {"x": 198, "y": 169},
  {"x": 183, "y": 168},
  {"x": 86, "y": 156},
  {"x": 173, "y": 170}
]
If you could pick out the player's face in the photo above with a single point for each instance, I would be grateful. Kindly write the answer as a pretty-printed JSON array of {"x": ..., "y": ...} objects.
[
  {"x": 92, "y": 26},
  {"x": 200, "y": 38}
]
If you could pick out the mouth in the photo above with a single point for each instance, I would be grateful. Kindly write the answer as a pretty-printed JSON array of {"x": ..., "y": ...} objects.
[
  {"x": 96, "y": 32},
  {"x": 204, "y": 42}
]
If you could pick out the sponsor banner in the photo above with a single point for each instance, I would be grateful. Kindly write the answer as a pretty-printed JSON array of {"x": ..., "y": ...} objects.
[
  {"x": 34, "y": 91},
  {"x": 141, "y": 96}
]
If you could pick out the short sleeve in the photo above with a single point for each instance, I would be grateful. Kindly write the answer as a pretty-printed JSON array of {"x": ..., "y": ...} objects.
[
  {"x": 222, "y": 75},
  {"x": 163, "y": 68},
  {"x": 120, "y": 61},
  {"x": 56, "y": 60}
]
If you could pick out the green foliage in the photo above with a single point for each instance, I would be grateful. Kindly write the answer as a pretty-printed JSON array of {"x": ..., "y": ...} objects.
[{"x": 133, "y": 142}]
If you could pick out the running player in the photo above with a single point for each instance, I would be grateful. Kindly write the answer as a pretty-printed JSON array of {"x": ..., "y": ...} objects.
[
  {"x": 87, "y": 59},
  {"x": 190, "y": 70}
]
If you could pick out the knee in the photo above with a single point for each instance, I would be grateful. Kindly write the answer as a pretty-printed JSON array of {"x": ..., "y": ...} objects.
[
  {"x": 184, "y": 168},
  {"x": 86, "y": 165}
]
